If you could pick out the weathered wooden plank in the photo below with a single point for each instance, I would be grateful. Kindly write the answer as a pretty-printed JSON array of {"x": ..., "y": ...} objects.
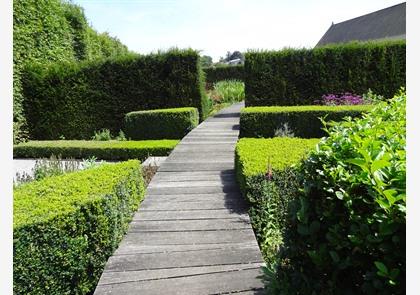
[
  {"x": 191, "y": 183},
  {"x": 189, "y": 237},
  {"x": 189, "y": 225},
  {"x": 135, "y": 248},
  {"x": 196, "y": 167},
  {"x": 156, "y": 274},
  {"x": 173, "y": 177},
  {"x": 203, "y": 257},
  {"x": 199, "y": 205},
  {"x": 193, "y": 190},
  {"x": 177, "y": 198},
  {"x": 214, "y": 283},
  {"x": 189, "y": 214}
]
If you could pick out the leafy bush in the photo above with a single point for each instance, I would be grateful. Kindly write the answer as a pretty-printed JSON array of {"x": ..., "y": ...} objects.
[
  {"x": 160, "y": 124},
  {"x": 52, "y": 30},
  {"x": 105, "y": 150},
  {"x": 302, "y": 121},
  {"x": 228, "y": 91},
  {"x": 75, "y": 99},
  {"x": 215, "y": 74},
  {"x": 268, "y": 181},
  {"x": 65, "y": 227},
  {"x": 346, "y": 232},
  {"x": 301, "y": 76},
  {"x": 102, "y": 135}
]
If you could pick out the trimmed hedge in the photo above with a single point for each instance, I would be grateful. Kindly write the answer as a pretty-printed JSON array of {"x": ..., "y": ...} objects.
[
  {"x": 47, "y": 31},
  {"x": 303, "y": 121},
  {"x": 160, "y": 124},
  {"x": 268, "y": 181},
  {"x": 215, "y": 74},
  {"x": 76, "y": 99},
  {"x": 346, "y": 233},
  {"x": 65, "y": 227},
  {"x": 301, "y": 76},
  {"x": 102, "y": 150}
]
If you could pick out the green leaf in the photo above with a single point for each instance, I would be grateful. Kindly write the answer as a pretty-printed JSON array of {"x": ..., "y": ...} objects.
[
  {"x": 334, "y": 256},
  {"x": 381, "y": 267}
]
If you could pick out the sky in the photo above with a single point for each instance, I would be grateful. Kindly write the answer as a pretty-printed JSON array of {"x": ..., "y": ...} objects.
[{"x": 218, "y": 26}]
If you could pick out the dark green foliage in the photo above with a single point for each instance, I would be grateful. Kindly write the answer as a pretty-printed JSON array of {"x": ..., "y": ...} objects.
[
  {"x": 102, "y": 150},
  {"x": 65, "y": 227},
  {"x": 268, "y": 181},
  {"x": 346, "y": 233},
  {"x": 214, "y": 74},
  {"x": 302, "y": 121},
  {"x": 47, "y": 31},
  {"x": 76, "y": 99},
  {"x": 160, "y": 124},
  {"x": 301, "y": 76}
]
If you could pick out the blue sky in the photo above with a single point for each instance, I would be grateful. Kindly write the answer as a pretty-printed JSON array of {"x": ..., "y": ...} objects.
[{"x": 218, "y": 26}]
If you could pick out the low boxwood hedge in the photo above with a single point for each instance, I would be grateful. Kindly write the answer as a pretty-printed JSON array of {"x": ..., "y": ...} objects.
[
  {"x": 160, "y": 124},
  {"x": 102, "y": 150},
  {"x": 268, "y": 181},
  {"x": 65, "y": 227},
  {"x": 302, "y": 121}
]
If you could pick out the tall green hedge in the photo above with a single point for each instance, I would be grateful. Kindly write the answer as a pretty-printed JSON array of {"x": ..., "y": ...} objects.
[
  {"x": 65, "y": 227},
  {"x": 75, "y": 99},
  {"x": 302, "y": 121},
  {"x": 300, "y": 76},
  {"x": 215, "y": 74},
  {"x": 52, "y": 30}
]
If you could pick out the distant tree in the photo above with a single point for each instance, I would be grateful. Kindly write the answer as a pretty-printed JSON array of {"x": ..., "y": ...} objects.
[{"x": 206, "y": 61}]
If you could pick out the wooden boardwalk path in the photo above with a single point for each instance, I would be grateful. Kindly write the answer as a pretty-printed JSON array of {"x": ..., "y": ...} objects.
[{"x": 192, "y": 234}]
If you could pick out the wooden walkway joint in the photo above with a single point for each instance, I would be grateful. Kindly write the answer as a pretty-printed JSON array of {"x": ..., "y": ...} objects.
[{"x": 192, "y": 233}]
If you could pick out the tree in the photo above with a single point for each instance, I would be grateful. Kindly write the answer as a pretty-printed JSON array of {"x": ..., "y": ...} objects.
[{"x": 206, "y": 61}]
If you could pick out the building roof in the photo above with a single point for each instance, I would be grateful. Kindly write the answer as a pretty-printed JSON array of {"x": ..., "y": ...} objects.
[{"x": 388, "y": 23}]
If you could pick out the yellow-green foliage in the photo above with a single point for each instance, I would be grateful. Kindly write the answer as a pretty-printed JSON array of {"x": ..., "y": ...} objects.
[
  {"x": 302, "y": 121},
  {"x": 65, "y": 227},
  {"x": 172, "y": 123},
  {"x": 253, "y": 154},
  {"x": 105, "y": 150}
]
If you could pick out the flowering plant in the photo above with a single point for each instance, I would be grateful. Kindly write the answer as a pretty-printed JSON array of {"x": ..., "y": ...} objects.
[{"x": 346, "y": 98}]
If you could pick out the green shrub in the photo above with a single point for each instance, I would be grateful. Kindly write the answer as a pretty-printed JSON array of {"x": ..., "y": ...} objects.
[
  {"x": 102, "y": 135},
  {"x": 346, "y": 232},
  {"x": 75, "y": 99},
  {"x": 228, "y": 91},
  {"x": 104, "y": 150},
  {"x": 268, "y": 181},
  {"x": 47, "y": 31},
  {"x": 302, "y": 121},
  {"x": 301, "y": 76},
  {"x": 160, "y": 124},
  {"x": 65, "y": 227},
  {"x": 215, "y": 74}
]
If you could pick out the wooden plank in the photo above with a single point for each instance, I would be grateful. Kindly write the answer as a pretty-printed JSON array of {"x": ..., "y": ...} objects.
[
  {"x": 195, "y": 183},
  {"x": 214, "y": 283},
  {"x": 196, "y": 167},
  {"x": 200, "y": 205},
  {"x": 197, "y": 258},
  {"x": 193, "y": 190},
  {"x": 188, "y": 214},
  {"x": 177, "y": 198},
  {"x": 156, "y": 274},
  {"x": 127, "y": 248},
  {"x": 189, "y": 237},
  {"x": 189, "y": 225}
]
